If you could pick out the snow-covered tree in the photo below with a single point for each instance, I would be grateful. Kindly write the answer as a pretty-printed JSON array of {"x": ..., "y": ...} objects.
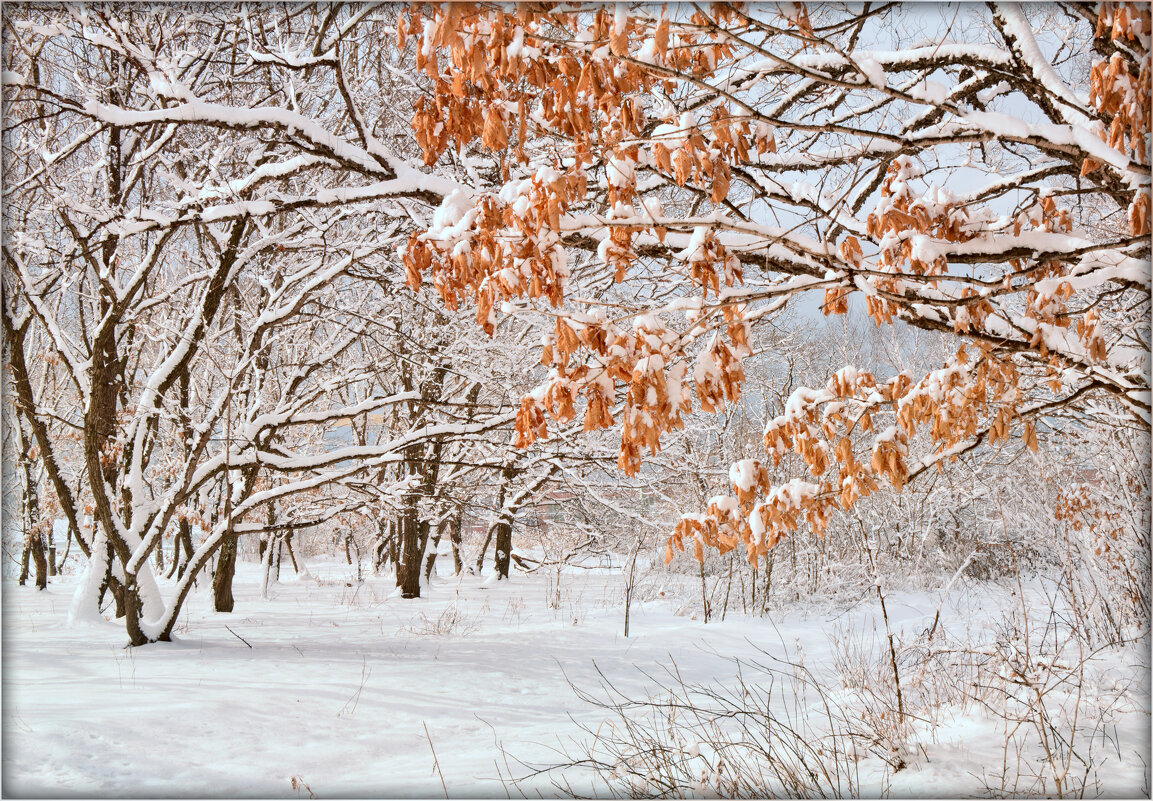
[{"x": 202, "y": 242}]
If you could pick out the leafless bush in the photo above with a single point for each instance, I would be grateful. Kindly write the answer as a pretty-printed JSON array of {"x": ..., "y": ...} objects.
[
  {"x": 1046, "y": 676},
  {"x": 450, "y": 622},
  {"x": 773, "y": 733},
  {"x": 780, "y": 729}
]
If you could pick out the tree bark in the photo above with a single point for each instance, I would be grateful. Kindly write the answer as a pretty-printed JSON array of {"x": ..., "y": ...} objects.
[
  {"x": 454, "y": 537},
  {"x": 430, "y": 555},
  {"x": 408, "y": 568},
  {"x": 394, "y": 542},
  {"x": 270, "y": 554},
  {"x": 110, "y": 584},
  {"x": 502, "y": 558},
  {"x": 25, "y": 553},
  {"x": 291, "y": 555},
  {"x": 41, "y": 562},
  {"x": 33, "y": 536},
  {"x": 222, "y": 578},
  {"x": 382, "y": 547},
  {"x": 484, "y": 549},
  {"x": 183, "y": 543}
]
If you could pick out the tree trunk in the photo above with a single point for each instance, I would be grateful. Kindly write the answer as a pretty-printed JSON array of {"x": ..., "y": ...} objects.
[
  {"x": 381, "y": 547},
  {"x": 768, "y": 581},
  {"x": 274, "y": 540},
  {"x": 118, "y": 597},
  {"x": 630, "y": 580},
  {"x": 394, "y": 542},
  {"x": 704, "y": 591},
  {"x": 291, "y": 555},
  {"x": 425, "y": 466},
  {"x": 133, "y": 608},
  {"x": 502, "y": 558},
  {"x": 454, "y": 538},
  {"x": 430, "y": 555},
  {"x": 33, "y": 538},
  {"x": 269, "y": 562},
  {"x": 177, "y": 544},
  {"x": 484, "y": 549},
  {"x": 408, "y": 568},
  {"x": 67, "y": 548},
  {"x": 222, "y": 579},
  {"x": 184, "y": 530},
  {"x": 41, "y": 562},
  {"x": 110, "y": 584},
  {"x": 25, "y": 396},
  {"x": 25, "y": 553},
  {"x": 184, "y": 535},
  {"x": 350, "y": 544}
]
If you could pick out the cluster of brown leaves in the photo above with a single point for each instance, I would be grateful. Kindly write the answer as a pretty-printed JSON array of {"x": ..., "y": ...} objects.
[
  {"x": 504, "y": 254},
  {"x": 708, "y": 163},
  {"x": 1077, "y": 507},
  {"x": 1121, "y": 88},
  {"x": 758, "y": 525},
  {"x": 898, "y": 219},
  {"x": 952, "y": 401},
  {"x": 590, "y": 356},
  {"x": 819, "y": 426},
  {"x": 1050, "y": 308},
  {"x": 499, "y": 60},
  {"x": 703, "y": 266},
  {"x": 496, "y": 61}
]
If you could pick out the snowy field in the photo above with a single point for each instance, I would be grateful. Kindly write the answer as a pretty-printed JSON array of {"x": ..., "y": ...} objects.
[{"x": 339, "y": 689}]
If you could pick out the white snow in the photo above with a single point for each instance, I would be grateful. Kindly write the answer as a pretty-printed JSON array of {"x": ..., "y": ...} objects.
[
  {"x": 743, "y": 474},
  {"x": 339, "y": 681},
  {"x": 451, "y": 210},
  {"x": 621, "y": 171},
  {"x": 339, "y": 684},
  {"x": 874, "y": 73}
]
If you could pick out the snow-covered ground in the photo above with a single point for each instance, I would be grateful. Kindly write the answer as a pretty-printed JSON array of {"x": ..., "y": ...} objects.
[{"x": 344, "y": 690}]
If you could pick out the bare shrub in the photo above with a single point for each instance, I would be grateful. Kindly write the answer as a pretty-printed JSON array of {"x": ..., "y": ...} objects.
[
  {"x": 450, "y": 622},
  {"x": 775, "y": 733}
]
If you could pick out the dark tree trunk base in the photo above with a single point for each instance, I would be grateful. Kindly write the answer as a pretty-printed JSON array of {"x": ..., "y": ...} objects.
[{"x": 222, "y": 579}]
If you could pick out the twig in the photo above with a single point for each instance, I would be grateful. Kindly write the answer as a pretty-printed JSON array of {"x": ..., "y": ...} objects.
[
  {"x": 354, "y": 699},
  {"x": 237, "y": 636},
  {"x": 298, "y": 783},
  {"x": 435, "y": 761}
]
